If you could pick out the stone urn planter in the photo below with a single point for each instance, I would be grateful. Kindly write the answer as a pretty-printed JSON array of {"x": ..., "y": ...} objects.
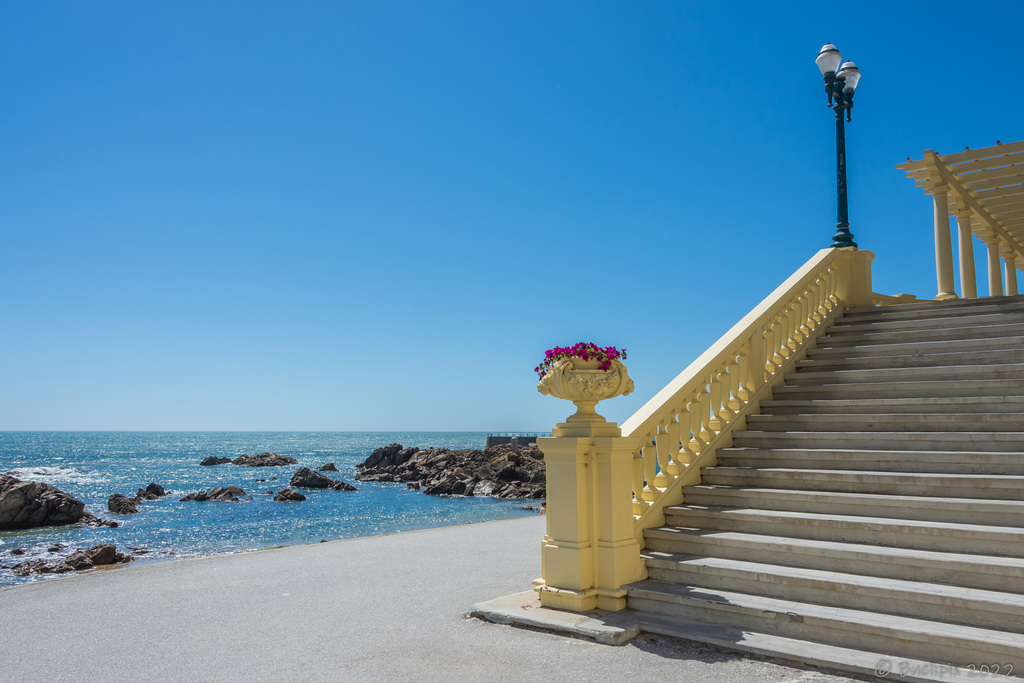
[{"x": 584, "y": 383}]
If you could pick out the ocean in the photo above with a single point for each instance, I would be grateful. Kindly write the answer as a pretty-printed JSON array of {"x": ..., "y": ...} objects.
[{"x": 93, "y": 465}]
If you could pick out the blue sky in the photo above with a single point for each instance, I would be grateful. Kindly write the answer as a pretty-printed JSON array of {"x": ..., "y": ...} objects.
[{"x": 378, "y": 215}]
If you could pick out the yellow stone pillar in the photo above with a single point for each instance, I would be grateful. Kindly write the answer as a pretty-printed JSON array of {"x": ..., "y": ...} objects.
[
  {"x": 1011, "y": 274},
  {"x": 968, "y": 278},
  {"x": 995, "y": 277},
  {"x": 943, "y": 243},
  {"x": 590, "y": 549},
  {"x": 854, "y": 282}
]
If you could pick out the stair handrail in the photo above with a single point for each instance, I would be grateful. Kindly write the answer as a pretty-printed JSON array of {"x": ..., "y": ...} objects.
[{"x": 681, "y": 428}]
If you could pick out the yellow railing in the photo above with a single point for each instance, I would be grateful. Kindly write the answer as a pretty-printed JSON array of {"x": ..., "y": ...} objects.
[{"x": 682, "y": 427}]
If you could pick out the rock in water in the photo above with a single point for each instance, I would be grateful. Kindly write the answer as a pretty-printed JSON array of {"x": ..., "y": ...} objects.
[
  {"x": 121, "y": 504},
  {"x": 499, "y": 472},
  {"x": 83, "y": 558},
  {"x": 287, "y": 495},
  {"x": 329, "y": 467},
  {"x": 215, "y": 461},
  {"x": 265, "y": 460},
  {"x": 308, "y": 479},
  {"x": 221, "y": 493},
  {"x": 28, "y": 504}
]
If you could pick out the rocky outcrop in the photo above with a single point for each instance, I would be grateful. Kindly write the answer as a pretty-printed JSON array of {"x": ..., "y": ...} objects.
[
  {"x": 308, "y": 479},
  {"x": 287, "y": 495},
  {"x": 29, "y": 504},
  {"x": 221, "y": 493},
  {"x": 83, "y": 558},
  {"x": 120, "y": 504},
  {"x": 499, "y": 472},
  {"x": 329, "y": 467},
  {"x": 151, "y": 492},
  {"x": 213, "y": 460},
  {"x": 264, "y": 460}
]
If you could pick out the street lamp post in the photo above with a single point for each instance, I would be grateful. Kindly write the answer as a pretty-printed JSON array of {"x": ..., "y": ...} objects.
[{"x": 840, "y": 82}]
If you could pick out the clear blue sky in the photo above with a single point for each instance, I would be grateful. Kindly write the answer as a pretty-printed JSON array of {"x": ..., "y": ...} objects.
[{"x": 378, "y": 215}]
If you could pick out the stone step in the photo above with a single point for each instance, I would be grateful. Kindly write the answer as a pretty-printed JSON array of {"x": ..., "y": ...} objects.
[
  {"x": 952, "y": 568},
  {"x": 898, "y": 532},
  {"x": 833, "y": 657},
  {"x": 864, "y": 630},
  {"x": 971, "y": 319},
  {"x": 949, "y": 462},
  {"x": 893, "y": 422},
  {"x": 913, "y": 406},
  {"x": 911, "y": 374},
  {"x": 922, "y": 600},
  {"x": 938, "y": 308},
  {"x": 859, "y": 338},
  {"x": 881, "y": 350},
  {"x": 905, "y": 389},
  {"x": 991, "y": 487},
  {"x": 913, "y": 360},
  {"x": 920, "y": 440},
  {"x": 1009, "y": 513}
]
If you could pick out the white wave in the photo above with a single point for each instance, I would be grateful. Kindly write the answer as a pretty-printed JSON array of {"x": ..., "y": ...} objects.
[{"x": 49, "y": 475}]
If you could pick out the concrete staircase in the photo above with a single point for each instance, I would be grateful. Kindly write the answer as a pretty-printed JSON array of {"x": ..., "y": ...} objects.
[{"x": 871, "y": 519}]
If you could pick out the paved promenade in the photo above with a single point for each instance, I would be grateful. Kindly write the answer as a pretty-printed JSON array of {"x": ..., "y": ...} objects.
[{"x": 385, "y": 608}]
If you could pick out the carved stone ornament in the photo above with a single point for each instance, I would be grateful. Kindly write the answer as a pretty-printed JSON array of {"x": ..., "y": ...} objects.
[{"x": 585, "y": 383}]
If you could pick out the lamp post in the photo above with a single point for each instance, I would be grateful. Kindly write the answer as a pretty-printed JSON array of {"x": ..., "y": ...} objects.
[{"x": 840, "y": 82}]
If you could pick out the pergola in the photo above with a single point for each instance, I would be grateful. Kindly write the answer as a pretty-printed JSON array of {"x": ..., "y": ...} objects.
[{"x": 984, "y": 190}]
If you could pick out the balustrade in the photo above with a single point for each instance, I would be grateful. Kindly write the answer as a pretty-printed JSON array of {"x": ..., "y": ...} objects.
[{"x": 680, "y": 429}]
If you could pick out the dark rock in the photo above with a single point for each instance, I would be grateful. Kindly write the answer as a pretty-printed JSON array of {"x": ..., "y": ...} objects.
[
  {"x": 28, "y": 504},
  {"x": 413, "y": 486},
  {"x": 221, "y": 493},
  {"x": 17, "y": 551},
  {"x": 212, "y": 460},
  {"x": 329, "y": 467},
  {"x": 83, "y": 558},
  {"x": 156, "y": 489},
  {"x": 264, "y": 460},
  {"x": 499, "y": 472},
  {"x": 393, "y": 455},
  {"x": 308, "y": 479},
  {"x": 287, "y": 495},
  {"x": 121, "y": 504},
  {"x": 56, "y": 548}
]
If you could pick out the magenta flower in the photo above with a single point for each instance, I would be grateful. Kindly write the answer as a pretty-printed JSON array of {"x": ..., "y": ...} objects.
[{"x": 584, "y": 350}]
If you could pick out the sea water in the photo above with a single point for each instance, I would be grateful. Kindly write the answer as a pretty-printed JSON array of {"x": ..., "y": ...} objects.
[{"x": 92, "y": 465}]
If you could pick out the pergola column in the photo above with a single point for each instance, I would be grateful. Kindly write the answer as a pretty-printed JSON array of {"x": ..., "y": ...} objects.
[
  {"x": 968, "y": 278},
  {"x": 995, "y": 277},
  {"x": 1011, "y": 274},
  {"x": 943, "y": 243}
]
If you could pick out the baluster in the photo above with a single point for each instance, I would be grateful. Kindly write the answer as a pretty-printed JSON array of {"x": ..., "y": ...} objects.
[
  {"x": 661, "y": 448},
  {"x": 822, "y": 287},
  {"x": 757, "y": 362},
  {"x": 792, "y": 325},
  {"x": 639, "y": 504},
  {"x": 804, "y": 315},
  {"x": 744, "y": 383},
  {"x": 650, "y": 467},
  {"x": 695, "y": 436},
  {"x": 676, "y": 464},
  {"x": 778, "y": 342},
  {"x": 733, "y": 372},
  {"x": 715, "y": 402},
  {"x": 704, "y": 399},
  {"x": 768, "y": 350}
]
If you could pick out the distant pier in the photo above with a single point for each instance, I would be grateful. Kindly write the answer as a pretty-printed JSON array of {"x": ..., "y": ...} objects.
[{"x": 522, "y": 439}]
